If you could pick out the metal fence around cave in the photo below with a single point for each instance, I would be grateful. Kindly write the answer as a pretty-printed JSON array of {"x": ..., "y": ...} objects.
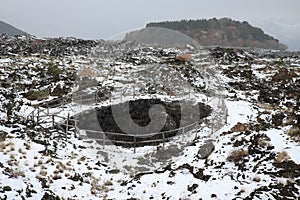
[{"x": 68, "y": 124}]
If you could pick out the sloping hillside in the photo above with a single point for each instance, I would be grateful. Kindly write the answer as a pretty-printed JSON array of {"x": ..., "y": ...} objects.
[
  {"x": 10, "y": 30},
  {"x": 222, "y": 32},
  {"x": 47, "y": 117}
]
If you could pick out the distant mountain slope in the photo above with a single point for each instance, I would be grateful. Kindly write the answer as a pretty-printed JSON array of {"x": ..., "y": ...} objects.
[
  {"x": 10, "y": 30},
  {"x": 222, "y": 32}
]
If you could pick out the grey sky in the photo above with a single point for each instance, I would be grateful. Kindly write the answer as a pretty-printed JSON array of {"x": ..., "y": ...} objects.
[{"x": 96, "y": 19}]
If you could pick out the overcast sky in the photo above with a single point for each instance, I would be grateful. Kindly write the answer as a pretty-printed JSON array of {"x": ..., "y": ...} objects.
[{"x": 95, "y": 19}]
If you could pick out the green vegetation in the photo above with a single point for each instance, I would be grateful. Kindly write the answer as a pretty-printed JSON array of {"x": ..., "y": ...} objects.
[{"x": 53, "y": 70}]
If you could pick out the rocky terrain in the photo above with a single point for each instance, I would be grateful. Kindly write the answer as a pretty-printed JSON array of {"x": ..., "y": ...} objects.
[{"x": 247, "y": 148}]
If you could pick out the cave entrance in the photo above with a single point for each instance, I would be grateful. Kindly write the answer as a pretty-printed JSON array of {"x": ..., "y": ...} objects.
[{"x": 142, "y": 122}]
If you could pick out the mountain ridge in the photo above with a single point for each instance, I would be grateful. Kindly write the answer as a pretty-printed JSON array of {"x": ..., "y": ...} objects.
[{"x": 8, "y": 29}]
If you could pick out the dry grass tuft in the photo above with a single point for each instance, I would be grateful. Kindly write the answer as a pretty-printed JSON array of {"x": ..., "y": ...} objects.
[
  {"x": 27, "y": 146},
  {"x": 239, "y": 127},
  {"x": 12, "y": 156},
  {"x": 12, "y": 148},
  {"x": 61, "y": 165},
  {"x": 15, "y": 173},
  {"x": 256, "y": 179},
  {"x": 294, "y": 131},
  {"x": 131, "y": 174},
  {"x": 56, "y": 176},
  {"x": 237, "y": 156},
  {"x": 108, "y": 183},
  {"x": 282, "y": 156},
  {"x": 2, "y": 146},
  {"x": 184, "y": 57},
  {"x": 95, "y": 187},
  {"x": 43, "y": 172},
  {"x": 20, "y": 150},
  {"x": 86, "y": 71}
]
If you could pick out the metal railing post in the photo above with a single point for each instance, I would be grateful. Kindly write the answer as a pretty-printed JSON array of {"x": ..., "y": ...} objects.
[
  {"x": 75, "y": 124},
  {"x": 38, "y": 115},
  {"x": 134, "y": 138},
  {"x": 32, "y": 117},
  {"x": 67, "y": 125},
  {"x": 103, "y": 138},
  {"x": 53, "y": 121}
]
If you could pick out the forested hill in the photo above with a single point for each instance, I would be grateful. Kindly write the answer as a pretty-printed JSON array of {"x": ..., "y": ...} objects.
[{"x": 222, "y": 32}]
